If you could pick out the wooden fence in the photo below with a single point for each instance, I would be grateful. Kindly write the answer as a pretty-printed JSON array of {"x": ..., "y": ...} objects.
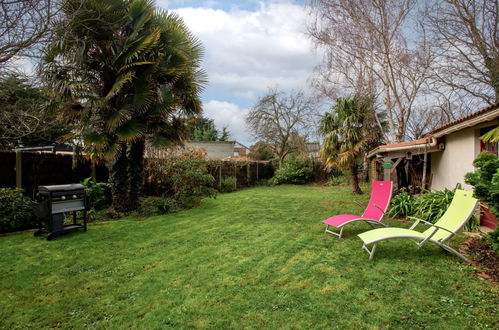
[
  {"x": 42, "y": 168},
  {"x": 245, "y": 172}
]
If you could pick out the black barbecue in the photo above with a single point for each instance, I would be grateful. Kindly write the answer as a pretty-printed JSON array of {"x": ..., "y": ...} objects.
[{"x": 53, "y": 202}]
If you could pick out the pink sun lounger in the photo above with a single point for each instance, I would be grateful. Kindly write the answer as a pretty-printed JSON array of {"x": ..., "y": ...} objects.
[{"x": 381, "y": 195}]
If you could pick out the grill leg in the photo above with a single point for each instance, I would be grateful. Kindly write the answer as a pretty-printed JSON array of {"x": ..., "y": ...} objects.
[{"x": 85, "y": 220}]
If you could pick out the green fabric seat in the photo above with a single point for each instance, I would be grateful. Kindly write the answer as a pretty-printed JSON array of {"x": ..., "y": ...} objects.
[{"x": 459, "y": 212}]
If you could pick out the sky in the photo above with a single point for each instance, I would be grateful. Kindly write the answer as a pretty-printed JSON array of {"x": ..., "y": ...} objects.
[{"x": 250, "y": 46}]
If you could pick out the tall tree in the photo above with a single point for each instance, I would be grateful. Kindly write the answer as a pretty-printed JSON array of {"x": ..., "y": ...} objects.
[
  {"x": 130, "y": 74},
  {"x": 24, "y": 25},
  {"x": 260, "y": 151},
  {"x": 204, "y": 129},
  {"x": 373, "y": 47},
  {"x": 24, "y": 118},
  {"x": 278, "y": 117},
  {"x": 467, "y": 35},
  {"x": 349, "y": 130}
]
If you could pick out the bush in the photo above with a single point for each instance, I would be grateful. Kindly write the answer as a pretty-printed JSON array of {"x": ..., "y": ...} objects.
[
  {"x": 15, "y": 211},
  {"x": 98, "y": 194},
  {"x": 431, "y": 206},
  {"x": 402, "y": 205},
  {"x": 154, "y": 205},
  {"x": 485, "y": 180},
  {"x": 294, "y": 171},
  {"x": 339, "y": 180},
  {"x": 493, "y": 240},
  {"x": 229, "y": 184},
  {"x": 188, "y": 179}
]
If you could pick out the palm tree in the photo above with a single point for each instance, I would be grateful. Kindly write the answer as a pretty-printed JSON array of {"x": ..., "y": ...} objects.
[
  {"x": 349, "y": 129},
  {"x": 491, "y": 136},
  {"x": 130, "y": 74}
]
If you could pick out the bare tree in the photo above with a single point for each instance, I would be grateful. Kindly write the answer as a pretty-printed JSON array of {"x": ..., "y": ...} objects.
[
  {"x": 24, "y": 24},
  {"x": 467, "y": 35},
  {"x": 372, "y": 49},
  {"x": 278, "y": 119}
]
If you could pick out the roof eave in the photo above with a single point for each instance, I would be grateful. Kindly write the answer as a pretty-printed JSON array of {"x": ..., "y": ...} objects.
[{"x": 465, "y": 124}]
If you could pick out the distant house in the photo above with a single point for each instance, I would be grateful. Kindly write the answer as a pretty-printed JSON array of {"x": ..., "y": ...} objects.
[
  {"x": 240, "y": 150},
  {"x": 313, "y": 149},
  {"x": 442, "y": 158},
  {"x": 214, "y": 149}
]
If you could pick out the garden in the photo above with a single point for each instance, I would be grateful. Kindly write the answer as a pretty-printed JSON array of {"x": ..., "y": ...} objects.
[
  {"x": 252, "y": 258},
  {"x": 180, "y": 238}
]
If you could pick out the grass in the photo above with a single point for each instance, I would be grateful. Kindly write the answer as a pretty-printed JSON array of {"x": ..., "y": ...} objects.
[{"x": 249, "y": 259}]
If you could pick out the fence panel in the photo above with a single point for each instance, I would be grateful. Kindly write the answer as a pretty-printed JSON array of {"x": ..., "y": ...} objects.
[{"x": 40, "y": 168}]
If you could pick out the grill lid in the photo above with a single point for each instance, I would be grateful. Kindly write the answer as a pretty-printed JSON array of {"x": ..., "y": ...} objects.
[{"x": 62, "y": 187}]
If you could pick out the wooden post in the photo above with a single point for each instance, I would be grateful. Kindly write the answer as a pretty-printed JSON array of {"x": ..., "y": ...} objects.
[
  {"x": 386, "y": 174},
  {"x": 19, "y": 170},
  {"x": 220, "y": 176},
  {"x": 235, "y": 172},
  {"x": 257, "y": 166},
  {"x": 248, "y": 173},
  {"x": 425, "y": 165}
]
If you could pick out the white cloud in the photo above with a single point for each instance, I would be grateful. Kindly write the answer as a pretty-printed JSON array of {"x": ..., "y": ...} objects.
[
  {"x": 230, "y": 115},
  {"x": 247, "y": 52}
]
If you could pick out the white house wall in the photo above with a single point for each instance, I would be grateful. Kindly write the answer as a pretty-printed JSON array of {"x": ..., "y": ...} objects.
[
  {"x": 450, "y": 165},
  {"x": 214, "y": 150}
]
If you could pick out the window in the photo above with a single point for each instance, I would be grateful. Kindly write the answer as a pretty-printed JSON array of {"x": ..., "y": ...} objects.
[{"x": 491, "y": 147}]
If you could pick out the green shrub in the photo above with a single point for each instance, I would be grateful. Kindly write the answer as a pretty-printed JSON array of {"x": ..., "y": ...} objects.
[
  {"x": 294, "y": 171},
  {"x": 166, "y": 205},
  {"x": 98, "y": 194},
  {"x": 485, "y": 180},
  {"x": 15, "y": 211},
  {"x": 402, "y": 205},
  {"x": 155, "y": 205},
  {"x": 493, "y": 240},
  {"x": 340, "y": 180},
  {"x": 431, "y": 206},
  {"x": 188, "y": 180},
  {"x": 229, "y": 184}
]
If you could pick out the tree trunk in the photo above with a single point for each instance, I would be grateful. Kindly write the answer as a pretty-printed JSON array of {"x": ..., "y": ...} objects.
[
  {"x": 280, "y": 161},
  {"x": 118, "y": 180},
  {"x": 136, "y": 171},
  {"x": 365, "y": 170},
  {"x": 355, "y": 179}
]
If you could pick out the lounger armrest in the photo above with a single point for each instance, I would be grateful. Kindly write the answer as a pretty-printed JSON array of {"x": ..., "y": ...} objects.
[
  {"x": 379, "y": 208},
  {"x": 428, "y": 223},
  {"x": 416, "y": 222},
  {"x": 360, "y": 205}
]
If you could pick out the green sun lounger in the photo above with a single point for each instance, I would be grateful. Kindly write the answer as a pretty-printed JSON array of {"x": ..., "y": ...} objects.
[{"x": 459, "y": 212}]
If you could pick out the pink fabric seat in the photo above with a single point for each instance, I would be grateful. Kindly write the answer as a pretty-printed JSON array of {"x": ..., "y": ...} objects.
[{"x": 381, "y": 194}]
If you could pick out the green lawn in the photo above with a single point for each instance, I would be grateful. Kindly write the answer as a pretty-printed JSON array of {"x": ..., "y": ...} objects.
[{"x": 254, "y": 258}]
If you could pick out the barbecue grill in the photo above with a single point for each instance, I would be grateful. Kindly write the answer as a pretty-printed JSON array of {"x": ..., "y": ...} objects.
[{"x": 53, "y": 202}]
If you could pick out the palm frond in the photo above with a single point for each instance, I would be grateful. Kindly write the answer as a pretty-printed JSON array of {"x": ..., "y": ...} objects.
[
  {"x": 130, "y": 130},
  {"x": 491, "y": 136},
  {"x": 121, "y": 80}
]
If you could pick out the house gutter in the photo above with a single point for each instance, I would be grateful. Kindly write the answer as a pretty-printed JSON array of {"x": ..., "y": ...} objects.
[
  {"x": 433, "y": 143},
  {"x": 468, "y": 123}
]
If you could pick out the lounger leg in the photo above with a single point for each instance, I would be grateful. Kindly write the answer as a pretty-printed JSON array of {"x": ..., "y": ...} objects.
[
  {"x": 334, "y": 233},
  {"x": 451, "y": 250},
  {"x": 372, "y": 223},
  {"x": 370, "y": 252}
]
